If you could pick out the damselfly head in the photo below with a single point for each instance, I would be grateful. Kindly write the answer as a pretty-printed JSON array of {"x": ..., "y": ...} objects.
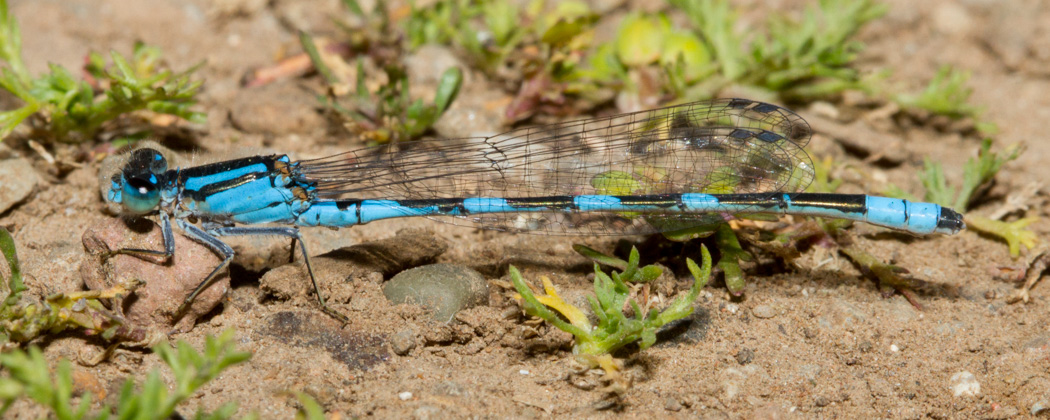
[
  {"x": 131, "y": 182},
  {"x": 137, "y": 187}
]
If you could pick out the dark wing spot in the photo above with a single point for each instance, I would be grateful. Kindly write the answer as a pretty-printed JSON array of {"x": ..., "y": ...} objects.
[
  {"x": 765, "y": 108},
  {"x": 741, "y": 134},
  {"x": 739, "y": 103},
  {"x": 769, "y": 136}
]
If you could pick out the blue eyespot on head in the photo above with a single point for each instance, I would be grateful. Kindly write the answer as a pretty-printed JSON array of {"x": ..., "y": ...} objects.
[{"x": 137, "y": 186}]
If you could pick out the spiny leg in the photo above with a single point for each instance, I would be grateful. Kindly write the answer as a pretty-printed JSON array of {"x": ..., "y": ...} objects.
[
  {"x": 169, "y": 243},
  {"x": 289, "y": 233}
]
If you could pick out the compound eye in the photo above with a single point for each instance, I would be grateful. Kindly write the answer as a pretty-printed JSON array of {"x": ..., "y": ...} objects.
[
  {"x": 147, "y": 160},
  {"x": 141, "y": 195}
]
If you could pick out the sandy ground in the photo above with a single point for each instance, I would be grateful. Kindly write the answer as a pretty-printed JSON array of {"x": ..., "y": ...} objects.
[{"x": 817, "y": 340}]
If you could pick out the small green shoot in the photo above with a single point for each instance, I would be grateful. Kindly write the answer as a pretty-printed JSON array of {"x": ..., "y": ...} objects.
[
  {"x": 947, "y": 94},
  {"x": 595, "y": 343},
  {"x": 309, "y": 409},
  {"x": 62, "y": 108},
  {"x": 29, "y": 375},
  {"x": 977, "y": 173},
  {"x": 389, "y": 114},
  {"x": 1015, "y": 233},
  {"x": 732, "y": 254}
]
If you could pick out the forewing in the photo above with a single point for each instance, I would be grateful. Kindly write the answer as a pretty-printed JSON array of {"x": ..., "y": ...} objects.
[{"x": 721, "y": 146}]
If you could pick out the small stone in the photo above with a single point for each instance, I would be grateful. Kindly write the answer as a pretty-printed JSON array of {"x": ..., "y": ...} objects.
[
  {"x": 745, "y": 356},
  {"x": 964, "y": 384},
  {"x": 450, "y": 389},
  {"x": 444, "y": 289},
  {"x": 165, "y": 285},
  {"x": 764, "y": 312},
  {"x": 1040, "y": 343},
  {"x": 439, "y": 335},
  {"x": 736, "y": 381},
  {"x": 85, "y": 381},
  {"x": 18, "y": 179},
  {"x": 894, "y": 348},
  {"x": 427, "y": 64},
  {"x": 672, "y": 404},
  {"x": 404, "y": 396},
  {"x": 1040, "y": 407},
  {"x": 809, "y": 372},
  {"x": 821, "y": 401},
  {"x": 403, "y": 341}
]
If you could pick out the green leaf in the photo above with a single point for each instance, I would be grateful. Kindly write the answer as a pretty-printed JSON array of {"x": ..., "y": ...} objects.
[
  {"x": 615, "y": 183},
  {"x": 11, "y": 45},
  {"x": 1015, "y": 233},
  {"x": 732, "y": 254},
  {"x": 448, "y": 88},
  {"x": 600, "y": 258},
  {"x": 309, "y": 408},
  {"x": 640, "y": 40},
  {"x": 977, "y": 173},
  {"x": 310, "y": 48},
  {"x": 15, "y": 287},
  {"x": 356, "y": 8}
]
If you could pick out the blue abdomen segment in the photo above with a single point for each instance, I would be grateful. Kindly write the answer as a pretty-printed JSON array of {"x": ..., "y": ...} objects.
[{"x": 919, "y": 218}]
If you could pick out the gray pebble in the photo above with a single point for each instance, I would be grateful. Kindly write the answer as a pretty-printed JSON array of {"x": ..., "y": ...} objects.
[
  {"x": 444, "y": 289},
  {"x": 672, "y": 404},
  {"x": 427, "y": 64},
  {"x": 764, "y": 312},
  {"x": 745, "y": 356},
  {"x": 403, "y": 342},
  {"x": 17, "y": 181}
]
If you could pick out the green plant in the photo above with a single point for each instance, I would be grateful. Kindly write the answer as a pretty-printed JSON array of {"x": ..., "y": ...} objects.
[
  {"x": 947, "y": 94},
  {"x": 22, "y": 321},
  {"x": 537, "y": 49},
  {"x": 1015, "y": 233},
  {"x": 978, "y": 174},
  {"x": 388, "y": 114},
  {"x": 63, "y": 108},
  {"x": 803, "y": 59},
  {"x": 487, "y": 45},
  {"x": 612, "y": 295},
  {"x": 29, "y": 375}
]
